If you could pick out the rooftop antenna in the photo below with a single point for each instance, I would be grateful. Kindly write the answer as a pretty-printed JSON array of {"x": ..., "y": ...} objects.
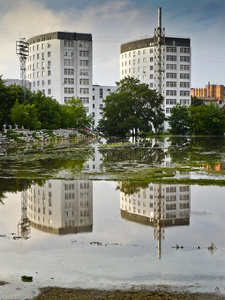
[
  {"x": 159, "y": 42},
  {"x": 22, "y": 51}
]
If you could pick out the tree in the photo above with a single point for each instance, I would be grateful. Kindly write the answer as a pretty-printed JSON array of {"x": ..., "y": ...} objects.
[
  {"x": 207, "y": 119},
  {"x": 196, "y": 101},
  {"x": 178, "y": 120},
  {"x": 132, "y": 108},
  {"x": 75, "y": 114}
]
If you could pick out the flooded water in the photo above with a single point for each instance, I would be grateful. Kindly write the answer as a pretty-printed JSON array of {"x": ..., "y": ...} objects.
[{"x": 67, "y": 218}]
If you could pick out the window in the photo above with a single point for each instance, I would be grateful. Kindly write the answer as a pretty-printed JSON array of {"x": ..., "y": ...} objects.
[
  {"x": 84, "y": 63},
  {"x": 185, "y": 58},
  {"x": 84, "y": 91},
  {"x": 68, "y": 90},
  {"x": 184, "y": 93},
  {"x": 151, "y": 50},
  {"x": 84, "y": 81},
  {"x": 171, "y": 49},
  {"x": 184, "y": 50},
  {"x": 184, "y": 101},
  {"x": 185, "y": 84},
  {"x": 38, "y": 56},
  {"x": 84, "y": 99},
  {"x": 168, "y": 110},
  {"x": 49, "y": 64},
  {"x": 151, "y": 59},
  {"x": 68, "y": 62},
  {"x": 49, "y": 54},
  {"x": 171, "y": 93},
  {"x": 184, "y": 76},
  {"x": 38, "y": 74},
  {"x": 185, "y": 67},
  {"x": 49, "y": 91},
  {"x": 42, "y": 46},
  {"x": 83, "y": 44},
  {"x": 43, "y": 73},
  {"x": 68, "y": 71},
  {"x": 151, "y": 68},
  {"x": 171, "y": 75},
  {"x": 49, "y": 45},
  {"x": 171, "y": 58},
  {"x": 68, "y": 80},
  {"x": 151, "y": 76},
  {"x": 171, "y": 84},
  {"x": 100, "y": 93},
  {"x": 84, "y": 72},
  {"x": 49, "y": 72},
  {"x": 68, "y": 43},
  {"x": 171, "y": 101},
  {"x": 49, "y": 81},
  {"x": 84, "y": 53},
  {"x": 171, "y": 67}
]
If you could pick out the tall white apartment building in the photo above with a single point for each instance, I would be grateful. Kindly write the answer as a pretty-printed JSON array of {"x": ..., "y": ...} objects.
[
  {"x": 139, "y": 59},
  {"x": 60, "y": 65}
]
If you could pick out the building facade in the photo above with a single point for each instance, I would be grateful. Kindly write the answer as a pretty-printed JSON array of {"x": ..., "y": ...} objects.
[
  {"x": 211, "y": 93},
  {"x": 99, "y": 93},
  {"x": 60, "y": 65},
  {"x": 139, "y": 59}
]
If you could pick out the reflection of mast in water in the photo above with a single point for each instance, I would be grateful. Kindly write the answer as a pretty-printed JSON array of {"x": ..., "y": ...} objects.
[
  {"x": 158, "y": 222},
  {"x": 157, "y": 205},
  {"x": 23, "y": 227}
]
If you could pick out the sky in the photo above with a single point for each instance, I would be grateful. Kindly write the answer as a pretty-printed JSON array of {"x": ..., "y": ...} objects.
[{"x": 113, "y": 22}]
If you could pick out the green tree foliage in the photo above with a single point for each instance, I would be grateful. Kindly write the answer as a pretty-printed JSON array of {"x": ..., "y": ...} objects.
[
  {"x": 25, "y": 115},
  {"x": 197, "y": 119},
  {"x": 207, "y": 119},
  {"x": 196, "y": 101},
  {"x": 75, "y": 114},
  {"x": 178, "y": 120},
  {"x": 132, "y": 108},
  {"x": 39, "y": 111}
]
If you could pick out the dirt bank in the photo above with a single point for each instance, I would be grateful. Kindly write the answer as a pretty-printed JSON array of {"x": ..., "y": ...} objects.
[{"x": 55, "y": 293}]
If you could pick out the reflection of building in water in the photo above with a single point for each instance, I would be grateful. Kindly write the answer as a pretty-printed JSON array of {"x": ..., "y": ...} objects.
[
  {"x": 158, "y": 205},
  {"x": 95, "y": 163},
  {"x": 61, "y": 206},
  {"x": 219, "y": 166}
]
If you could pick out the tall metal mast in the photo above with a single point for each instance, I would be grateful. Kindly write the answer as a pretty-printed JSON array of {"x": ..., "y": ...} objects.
[
  {"x": 22, "y": 51},
  {"x": 159, "y": 42}
]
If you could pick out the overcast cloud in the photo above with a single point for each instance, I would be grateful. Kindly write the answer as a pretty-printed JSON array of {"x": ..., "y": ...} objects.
[{"x": 114, "y": 22}]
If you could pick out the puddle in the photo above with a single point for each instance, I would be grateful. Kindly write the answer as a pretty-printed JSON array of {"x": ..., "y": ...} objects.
[{"x": 65, "y": 229}]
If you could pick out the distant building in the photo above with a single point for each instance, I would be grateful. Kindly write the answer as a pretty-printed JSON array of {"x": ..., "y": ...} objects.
[
  {"x": 99, "y": 93},
  {"x": 11, "y": 81},
  {"x": 211, "y": 93}
]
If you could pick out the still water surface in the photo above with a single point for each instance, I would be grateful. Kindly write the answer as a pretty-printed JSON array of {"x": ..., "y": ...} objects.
[{"x": 111, "y": 234}]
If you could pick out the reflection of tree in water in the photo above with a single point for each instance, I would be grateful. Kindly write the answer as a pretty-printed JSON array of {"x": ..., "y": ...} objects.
[
  {"x": 14, "y": 185},
  {"x": 45, "y": 164},
  {"x": 142, "y": 152},
  {"x": 131, "y": 187},
  {"x": 197, "y": 151}
]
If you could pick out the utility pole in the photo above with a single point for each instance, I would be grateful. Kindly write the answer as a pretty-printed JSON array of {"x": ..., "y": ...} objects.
[{"x": 22, "y": 51}]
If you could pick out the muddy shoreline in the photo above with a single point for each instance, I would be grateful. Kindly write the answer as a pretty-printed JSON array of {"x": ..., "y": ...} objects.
[{"x": 48, "y": 293}]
